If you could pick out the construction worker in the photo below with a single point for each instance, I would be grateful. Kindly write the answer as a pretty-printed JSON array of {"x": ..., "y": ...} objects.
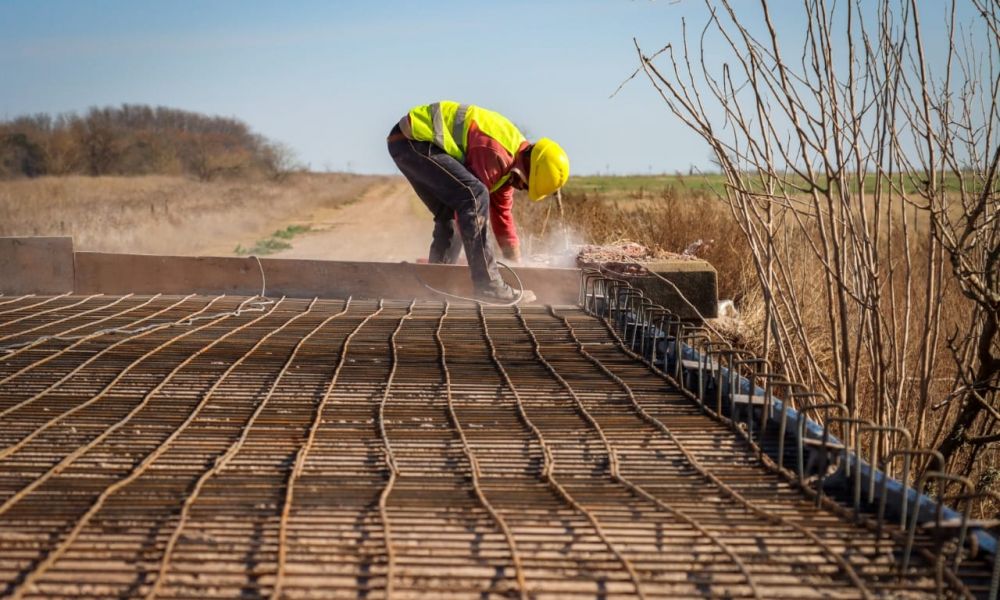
[{"x": 464, "y": 162}]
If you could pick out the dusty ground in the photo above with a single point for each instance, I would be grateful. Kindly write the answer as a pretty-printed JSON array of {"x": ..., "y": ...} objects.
[
  {"x": 345, "y": 216},
  {"x": 353, "y": 217},
  {"x": 387, "y": 223}
]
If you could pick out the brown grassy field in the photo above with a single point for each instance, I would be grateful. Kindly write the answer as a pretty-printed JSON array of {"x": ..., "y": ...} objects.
[{"x": 169, "y": 214}]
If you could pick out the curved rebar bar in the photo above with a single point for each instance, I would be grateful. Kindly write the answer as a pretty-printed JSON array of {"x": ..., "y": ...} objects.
[
  {"x": 614, "y": 463},
  {"x": 515, "y": 555},
  {"x": 15, "y": 299},
  {"x": 54, "y": 555},
  {"x": 390, "y": 456},
  {"x": 295, "y": 472},
  {"x": 549, "y": 463}
]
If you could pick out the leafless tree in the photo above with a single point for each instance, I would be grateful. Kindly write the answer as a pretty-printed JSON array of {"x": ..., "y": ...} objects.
[{"x": 862, "y": 170}]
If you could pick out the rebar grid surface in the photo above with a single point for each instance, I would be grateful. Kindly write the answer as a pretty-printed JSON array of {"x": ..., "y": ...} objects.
[{"x": 346, "y": 449}]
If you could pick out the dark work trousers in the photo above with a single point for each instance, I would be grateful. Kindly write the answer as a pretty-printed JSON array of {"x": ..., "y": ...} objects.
[{"x": 448, "y": 189}]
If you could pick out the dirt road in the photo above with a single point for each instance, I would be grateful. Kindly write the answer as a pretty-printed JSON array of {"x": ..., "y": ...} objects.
[
  {"x": 387, "y": 223},
  {"x": 158, "y": 214},
  {"x": 345, "y": 217}
]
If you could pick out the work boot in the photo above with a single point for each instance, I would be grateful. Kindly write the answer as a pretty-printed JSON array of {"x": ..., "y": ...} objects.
[{"x": 499, "y": 291}]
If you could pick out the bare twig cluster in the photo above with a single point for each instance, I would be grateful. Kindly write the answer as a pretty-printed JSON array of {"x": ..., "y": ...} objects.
[{"x": 862, "y": 168}]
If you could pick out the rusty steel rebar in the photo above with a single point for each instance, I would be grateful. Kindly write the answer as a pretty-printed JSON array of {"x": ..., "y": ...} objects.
[
  {"x": 83, "y": 338},
  {"x": 28, "y": 307},
  {"x": 845, "y": 566},
  {"x": 70, "y": 316},
  {"x": 303, "y": 452},
  {"x": 474, "y": 468},
  {"x": 613, "y": 460},
  {"x": 64, "y": 334},
  {"x": 361, "y": 448}
]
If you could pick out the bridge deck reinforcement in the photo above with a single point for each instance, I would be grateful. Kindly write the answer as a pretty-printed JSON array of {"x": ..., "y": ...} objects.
[{"x": 226, "y": 447}]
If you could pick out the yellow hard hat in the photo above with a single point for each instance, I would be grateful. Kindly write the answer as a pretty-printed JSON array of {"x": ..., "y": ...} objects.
[{"x": 549, "y": 169}]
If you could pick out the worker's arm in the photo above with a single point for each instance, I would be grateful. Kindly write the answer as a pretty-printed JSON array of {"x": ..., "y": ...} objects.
[
  {"x": 502, "y": 221},
  {"x": 489, "y": 162}
]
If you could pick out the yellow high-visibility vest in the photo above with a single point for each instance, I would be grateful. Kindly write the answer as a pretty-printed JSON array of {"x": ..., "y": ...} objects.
[{"x": 446, "y": 125}]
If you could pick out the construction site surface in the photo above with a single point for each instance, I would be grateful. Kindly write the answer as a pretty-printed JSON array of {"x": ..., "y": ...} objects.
[{"x": 203, "y": 445}]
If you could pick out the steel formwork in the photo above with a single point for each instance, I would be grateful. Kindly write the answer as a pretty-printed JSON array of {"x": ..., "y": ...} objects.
[{"x": 238, "y": 447}]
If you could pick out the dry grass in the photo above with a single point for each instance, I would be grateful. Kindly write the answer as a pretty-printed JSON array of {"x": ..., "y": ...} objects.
[
  {"x": 669, "y": 217},
  {"x": 670, "y": 214},
  {"x": 165, "y": 214}
]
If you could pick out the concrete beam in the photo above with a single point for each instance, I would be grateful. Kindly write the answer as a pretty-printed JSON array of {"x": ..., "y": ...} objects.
[
  {"x": 36, "y": 265},
  {"x": 49, "y": 266},
  {"x": 99, "y": 272},
  {"x": 696, "y": 280}
]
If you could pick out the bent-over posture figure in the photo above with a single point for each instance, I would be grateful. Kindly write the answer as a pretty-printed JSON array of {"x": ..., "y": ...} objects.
[{"x": 464, "y": 162}]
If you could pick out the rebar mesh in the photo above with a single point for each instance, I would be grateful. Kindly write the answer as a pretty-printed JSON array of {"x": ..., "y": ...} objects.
[{"x": 328, "y": 448}]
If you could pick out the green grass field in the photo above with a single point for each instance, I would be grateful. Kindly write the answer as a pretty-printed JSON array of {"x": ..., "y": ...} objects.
[
  {"x": 634, "y": 184},
  {"x": 638, "y": 185}
]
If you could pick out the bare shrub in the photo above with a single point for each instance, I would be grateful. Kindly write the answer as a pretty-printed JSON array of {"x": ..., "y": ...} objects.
[
  {"x": 279, "y": 160},
  {"x": 858, "y": 160}
]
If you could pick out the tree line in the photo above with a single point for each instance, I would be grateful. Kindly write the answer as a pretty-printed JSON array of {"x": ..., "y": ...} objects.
[{"x": 134, "y": 139}]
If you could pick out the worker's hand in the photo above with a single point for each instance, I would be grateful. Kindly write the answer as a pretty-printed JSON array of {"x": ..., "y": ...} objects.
[{"x": 512, "y": 253}]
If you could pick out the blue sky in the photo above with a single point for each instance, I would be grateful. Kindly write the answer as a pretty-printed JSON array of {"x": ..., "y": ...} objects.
[{"x": 329, "y": 78}]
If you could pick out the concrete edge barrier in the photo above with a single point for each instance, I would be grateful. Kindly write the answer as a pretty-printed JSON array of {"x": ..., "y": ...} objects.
[
  {"x": 99, "y": 272},
  {"x": 37, "y": 265},
  {"x": 50, "y": 265}
]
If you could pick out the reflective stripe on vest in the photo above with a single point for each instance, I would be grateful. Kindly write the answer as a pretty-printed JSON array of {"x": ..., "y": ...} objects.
[
  {"x": 439, "y": 124},
  {"x": 438, "y": 120},
  {"x": 500, "y": 183},
  {"x": 446, "y": 125},
  {"x": 458, "y": 126}
]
